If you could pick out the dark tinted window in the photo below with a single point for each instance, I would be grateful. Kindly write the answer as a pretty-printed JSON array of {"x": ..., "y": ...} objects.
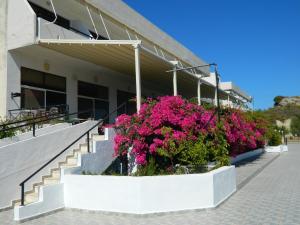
[
  {"x": 49, "y": 16},
  {"x": 32, "y": 99},
  {"x": 92, "y": 90},
  {"x": 99, "y": 37},
  {"x": 54, "y": 98},
  {"x": 32, "y": 77},
  {"x": 126, "y": 97},
  {"x": 42, "y": 80},
  {"x": 54, "y": 82}
]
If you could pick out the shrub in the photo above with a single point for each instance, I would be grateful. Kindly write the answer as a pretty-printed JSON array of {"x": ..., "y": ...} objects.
[
  {"x": 243, "y": 133},
  {"x": 7, "y": 133},
  {"x": 274, "y": 138},
  {"x": 295, "y": 126},
  {"x": 170, "y": 132}
]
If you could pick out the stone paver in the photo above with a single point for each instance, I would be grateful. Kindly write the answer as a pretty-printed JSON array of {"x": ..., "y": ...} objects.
[
  {"x": 271, "y": 197},
  {"x": 249, "y": 168}
]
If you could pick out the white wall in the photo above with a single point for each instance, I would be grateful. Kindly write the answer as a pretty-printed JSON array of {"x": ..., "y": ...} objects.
[
  {"x": 153, "y": 194},
  {"x": 246, "y": 155},
  {"x": 13, "y": 80},
  {"x": 102, "y": 156},
  {"x": 21, "y": 27},
  {"x": 3, "y": 56},
  {"x": 21, "y": 159},
  {"x": 51, "y": 198}
]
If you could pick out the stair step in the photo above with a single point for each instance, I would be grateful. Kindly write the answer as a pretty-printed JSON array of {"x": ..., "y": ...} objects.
[
  {"x": 50, "y": 181},
  {"x": 72, "y": 160},
  {"x": 83, "y": 148},
  {"x": 32, "y": 197},
  {"x": 97, "y": 137},
  {"x": 65, "y": 165},
  {"x": 36, "y": 188},
  {"x": 55, "y": 172}
]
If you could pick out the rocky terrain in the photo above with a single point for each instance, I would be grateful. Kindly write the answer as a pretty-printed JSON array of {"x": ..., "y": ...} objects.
[{"x": 295, "y": 100}]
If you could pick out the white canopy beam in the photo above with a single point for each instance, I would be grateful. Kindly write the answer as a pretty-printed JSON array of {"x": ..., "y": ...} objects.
[{"x": 138, "y": 76}]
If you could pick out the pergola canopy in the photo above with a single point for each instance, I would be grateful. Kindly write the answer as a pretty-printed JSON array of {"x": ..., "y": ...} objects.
[{"x": 119, "y": 56}]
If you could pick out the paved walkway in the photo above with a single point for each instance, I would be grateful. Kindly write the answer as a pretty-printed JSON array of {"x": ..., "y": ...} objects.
[{"x": 270, "y": 197}]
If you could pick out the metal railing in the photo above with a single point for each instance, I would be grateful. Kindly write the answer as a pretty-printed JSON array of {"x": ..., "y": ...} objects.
[
  {"x": 34, "y": 121},
  {"x": 86, "y": 133},
  {"x": 60, "y": 108}
]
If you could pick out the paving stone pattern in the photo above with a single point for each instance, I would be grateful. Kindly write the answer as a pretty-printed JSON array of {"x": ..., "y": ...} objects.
[{"x": 270, "y": 197}]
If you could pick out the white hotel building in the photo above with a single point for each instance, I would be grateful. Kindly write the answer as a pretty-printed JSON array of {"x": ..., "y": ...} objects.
[
  {"x": 94, "y": 54},
  {"x": 89, "y": 55}
]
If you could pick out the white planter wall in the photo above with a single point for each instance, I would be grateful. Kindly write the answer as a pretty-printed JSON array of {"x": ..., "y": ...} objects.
[
  {"x": 278, "y": 149},
  {"x": 51, "y": 198},
  {"x": 153, "y": 194},
  {"x": 246, "y": 155}
]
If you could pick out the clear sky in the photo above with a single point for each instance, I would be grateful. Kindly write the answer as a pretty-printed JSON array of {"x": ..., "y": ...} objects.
[{"x": 256, "y": 43}]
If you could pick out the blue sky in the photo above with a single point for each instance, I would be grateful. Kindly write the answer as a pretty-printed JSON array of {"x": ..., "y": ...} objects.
[{"x": 256, "y": 43}]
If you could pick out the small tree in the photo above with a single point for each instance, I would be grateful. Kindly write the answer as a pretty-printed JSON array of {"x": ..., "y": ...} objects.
[
  {"x": 277, "y": 100},
  {"x": 295, "y": 126}
]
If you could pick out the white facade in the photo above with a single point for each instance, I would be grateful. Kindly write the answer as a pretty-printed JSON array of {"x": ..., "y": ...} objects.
[{"x": 76, "y": 21}]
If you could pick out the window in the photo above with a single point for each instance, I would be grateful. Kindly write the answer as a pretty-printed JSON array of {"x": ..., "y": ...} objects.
[
  {"x": 40, "y": 79},
  {"x": 54, "y": 98},
  {"x": 49, "y": 16},
  {"x": 100, "y": 37},
  {"x": 54, "y": 82},
  {"x": 92, "y": 90},
  {"x": 32, "y": 99},
  {"x": 123, "y": 96},
  {"x": 41, "y": 90},
  {"x": 32, "y": 77},
  {"x": 92, "y": 100}
]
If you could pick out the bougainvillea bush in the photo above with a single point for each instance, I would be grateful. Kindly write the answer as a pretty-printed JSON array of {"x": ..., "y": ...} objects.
[
  {"x": 243, "y": 133},
  {"x": 170, "y": 133}
]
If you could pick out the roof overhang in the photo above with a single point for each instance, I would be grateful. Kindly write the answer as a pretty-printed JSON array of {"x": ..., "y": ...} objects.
[
  {"x": 235, "y": 91},
  {"x": 119, "y": 56}
]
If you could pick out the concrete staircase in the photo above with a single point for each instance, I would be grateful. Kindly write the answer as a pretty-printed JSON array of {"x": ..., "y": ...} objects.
[{"x": 72, "y": 160}]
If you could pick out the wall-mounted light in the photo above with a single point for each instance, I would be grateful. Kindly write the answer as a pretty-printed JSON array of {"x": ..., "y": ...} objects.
[
  {"x": 46, "y": 66},
  {"x": 15, "y": 94}
]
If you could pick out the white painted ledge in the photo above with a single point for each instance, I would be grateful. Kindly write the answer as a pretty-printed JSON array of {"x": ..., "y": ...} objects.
[
  {"x": 51, "y": 198},
  {"x": 276, "y": 149},
  {"x": 246, "y": 155},
  {"x": 153, "y": 194}
]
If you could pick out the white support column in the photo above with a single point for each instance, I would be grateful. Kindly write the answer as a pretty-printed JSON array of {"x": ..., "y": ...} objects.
[
  {"x": 216, "y": 96},
  {"x": 175, "y": 82},
  {"x": 175, "y": 91},
  {"x": 199, "y": 91},
  {"x": 138, "y": 77},
  {"x": 228, "y": 100}
]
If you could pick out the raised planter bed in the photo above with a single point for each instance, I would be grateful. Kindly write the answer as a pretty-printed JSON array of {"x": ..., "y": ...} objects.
[
  {"x": 153, "y": 194},
  {"x": 278, "y": 149},
  {"x": 246, "y": 155}
]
